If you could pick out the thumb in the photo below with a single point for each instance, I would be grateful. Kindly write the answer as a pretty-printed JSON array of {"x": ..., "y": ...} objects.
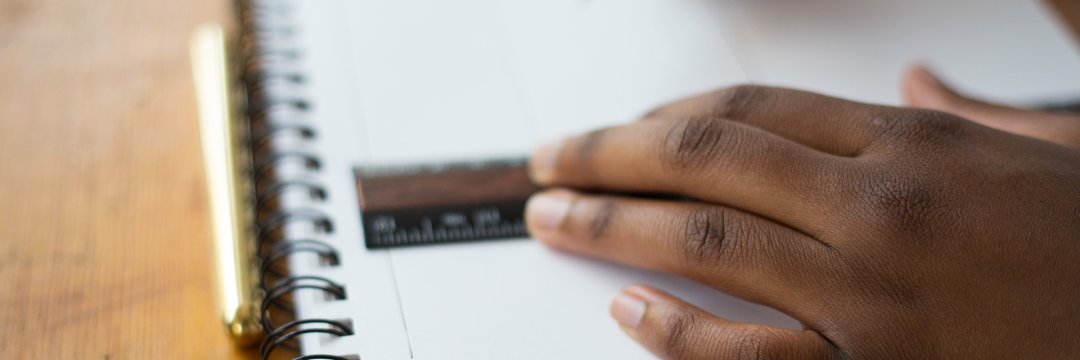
[
  {"x": 923, "y": 89},
  {"x": 673, "y": 329}
]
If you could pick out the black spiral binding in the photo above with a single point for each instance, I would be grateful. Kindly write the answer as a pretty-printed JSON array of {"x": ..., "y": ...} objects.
[{"x": 268, "y": 65}]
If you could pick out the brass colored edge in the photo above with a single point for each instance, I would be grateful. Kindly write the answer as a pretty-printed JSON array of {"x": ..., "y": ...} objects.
[{"x": 228, "y": 185}]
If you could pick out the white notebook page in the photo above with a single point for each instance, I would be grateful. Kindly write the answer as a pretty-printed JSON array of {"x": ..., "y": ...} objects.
[
  {"x": 1013, "y": 51},
  {"x": 408, "y": 80},
  {"x": 480, "y": 77}
]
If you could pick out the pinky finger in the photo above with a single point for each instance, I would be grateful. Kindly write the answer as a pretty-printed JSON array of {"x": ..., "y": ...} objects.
[{"x": 674, "y": 329}]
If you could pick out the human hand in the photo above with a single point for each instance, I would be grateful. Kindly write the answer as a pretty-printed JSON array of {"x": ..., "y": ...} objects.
[{"x": 887, "y": 232}]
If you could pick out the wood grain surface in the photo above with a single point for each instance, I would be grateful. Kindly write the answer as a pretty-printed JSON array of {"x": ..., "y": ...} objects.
[
  {"x": 104, "y": 239},
  {"x": 104, "y": 250}
]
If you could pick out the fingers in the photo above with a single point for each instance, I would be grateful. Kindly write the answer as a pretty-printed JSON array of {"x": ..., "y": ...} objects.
[
  {"x": 923, "y": 89},
  {"x": 673, "y": 329},
  {"x": 740, "y": 253},
  {"x": 715, "y": 160},
  {"x": 821, "y": 122}
]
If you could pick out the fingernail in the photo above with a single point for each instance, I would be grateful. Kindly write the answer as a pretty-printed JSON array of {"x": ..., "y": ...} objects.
[
  {"x": 548, "y": 210},
  {"x": 542, "y": 166},
  {"x": 941, "y": 95},
  {"x": 628, "y": 309}
]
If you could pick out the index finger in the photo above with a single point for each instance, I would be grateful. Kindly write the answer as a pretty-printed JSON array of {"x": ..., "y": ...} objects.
[{"x": 709, "y": 159}]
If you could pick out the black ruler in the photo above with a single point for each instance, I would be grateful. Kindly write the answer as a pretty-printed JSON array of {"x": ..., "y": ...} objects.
[{"x": 422, "y": 204}]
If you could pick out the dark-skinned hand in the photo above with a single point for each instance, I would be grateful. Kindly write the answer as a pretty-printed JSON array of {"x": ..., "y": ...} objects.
[{"x": 947, "y": 229}]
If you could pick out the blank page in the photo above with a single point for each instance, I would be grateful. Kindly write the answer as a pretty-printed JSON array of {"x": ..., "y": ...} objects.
[
  {"x": 474, "y": 78},
  {"x": 422, "y": 80},
  {"x": 1004, "y": 50}
]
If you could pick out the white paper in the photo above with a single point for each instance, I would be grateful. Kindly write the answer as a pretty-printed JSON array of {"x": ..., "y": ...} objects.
[
  {"x": 1012, "y": 51},
  {"x": 408, "y": 80}
]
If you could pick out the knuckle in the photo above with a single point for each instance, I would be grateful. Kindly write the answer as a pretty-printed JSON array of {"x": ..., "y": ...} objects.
[
  {"x": 708, "y": 236},
  {"x": 755, "y": 344},
  {"x": 926, "y": 128},
  {"x": 679, "y": 329},
  {"x": 599, "y": 225},
  {"x": 694, "y": 142},
  {"x": 739, "y": 102},
  {"x": 880, "y": 282},
  {"x": 577, "y": 159},
  {"x": 900, "y": 204}
]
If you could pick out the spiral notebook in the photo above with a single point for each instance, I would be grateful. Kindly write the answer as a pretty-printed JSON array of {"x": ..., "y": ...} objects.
[{"x": 311, "y": 95}]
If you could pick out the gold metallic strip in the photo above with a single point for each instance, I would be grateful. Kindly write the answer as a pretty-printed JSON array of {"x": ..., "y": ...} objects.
[{"x": 225, "y": 160}]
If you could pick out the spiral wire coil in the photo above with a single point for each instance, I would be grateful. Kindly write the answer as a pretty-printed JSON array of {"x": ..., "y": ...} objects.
[{"x": 267, "y": 63}]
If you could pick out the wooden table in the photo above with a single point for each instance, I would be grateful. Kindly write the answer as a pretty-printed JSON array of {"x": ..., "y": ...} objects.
[{"x": 104, "y": 250}]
